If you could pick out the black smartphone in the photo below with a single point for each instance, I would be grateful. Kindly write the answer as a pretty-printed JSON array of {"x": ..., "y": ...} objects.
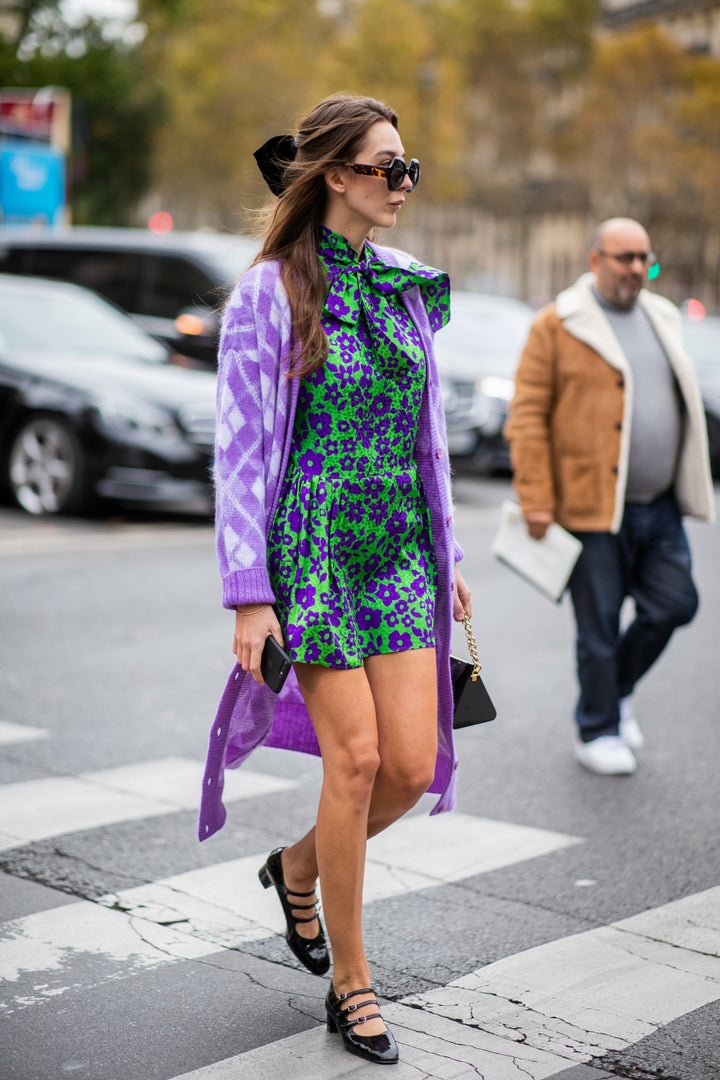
[{"x": 275, "y": 664}]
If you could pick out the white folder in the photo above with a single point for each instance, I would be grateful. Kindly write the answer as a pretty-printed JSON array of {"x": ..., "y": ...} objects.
[{"x": 547, "y": 564}]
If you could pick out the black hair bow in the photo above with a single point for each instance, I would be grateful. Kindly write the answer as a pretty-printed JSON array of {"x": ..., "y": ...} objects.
[{"x": 273, "y": 157}]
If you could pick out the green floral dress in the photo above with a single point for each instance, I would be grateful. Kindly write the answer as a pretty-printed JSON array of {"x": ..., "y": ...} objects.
[{"x": 350, "y": 551}]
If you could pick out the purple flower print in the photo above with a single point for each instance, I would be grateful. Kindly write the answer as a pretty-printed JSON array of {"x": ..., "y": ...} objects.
[
  {"x": 400, "y": 642},
  {"x": 305, "y": 597},
  {"x": 320, "y": 424},
  {"x": 386, "y": 594},
  {"x": 293, "y": 636},
  {"x": 311, "y": 462},
  {"x": 312, "y": 652},
  {"x": 294, "y": 521},
  {"x": 397, "y": 523},
  {"x": 369, "y": 619},
  {"x": 336, "y": 659}
]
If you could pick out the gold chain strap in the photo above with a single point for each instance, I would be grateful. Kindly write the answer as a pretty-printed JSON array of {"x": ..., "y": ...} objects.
[{"x": 472, "y": 647}]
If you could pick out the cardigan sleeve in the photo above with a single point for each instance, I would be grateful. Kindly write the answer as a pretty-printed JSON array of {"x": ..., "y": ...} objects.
[{"x": 252, "y": 345}]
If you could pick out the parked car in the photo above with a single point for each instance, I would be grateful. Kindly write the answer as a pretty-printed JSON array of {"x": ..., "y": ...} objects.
[
  {"x": 173, "y": 285},
  {"x": 91, "y": 406},
  {"x": 477, "y": 354},
  {"x": 702, "y": 340}
]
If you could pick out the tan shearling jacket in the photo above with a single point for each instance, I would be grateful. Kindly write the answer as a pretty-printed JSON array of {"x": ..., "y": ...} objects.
[{"x": 569, "y": 422}]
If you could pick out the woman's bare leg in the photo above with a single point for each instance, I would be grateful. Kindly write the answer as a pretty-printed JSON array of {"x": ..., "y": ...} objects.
[{"x": 377, "y": 731}]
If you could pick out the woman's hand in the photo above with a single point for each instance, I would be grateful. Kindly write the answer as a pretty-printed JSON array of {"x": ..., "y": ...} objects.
[
  {"x": 462, "y": 602},
  {"x": 253, "y": 625}
]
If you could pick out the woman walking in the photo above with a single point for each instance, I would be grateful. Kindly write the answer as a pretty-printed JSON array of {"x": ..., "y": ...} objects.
[{"x": 334, "y": 528}]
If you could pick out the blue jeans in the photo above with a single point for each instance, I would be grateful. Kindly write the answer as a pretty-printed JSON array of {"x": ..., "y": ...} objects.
[{"x": 648, "y": 560}]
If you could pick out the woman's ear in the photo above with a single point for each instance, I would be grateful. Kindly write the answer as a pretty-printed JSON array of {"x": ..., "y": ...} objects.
[{"x": 335, "y": 179}]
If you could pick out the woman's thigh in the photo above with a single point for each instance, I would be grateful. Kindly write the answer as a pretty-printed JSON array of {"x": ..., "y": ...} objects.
[
  {"x": 404, "y": 690},
  {"x": 342, "y": 710}
]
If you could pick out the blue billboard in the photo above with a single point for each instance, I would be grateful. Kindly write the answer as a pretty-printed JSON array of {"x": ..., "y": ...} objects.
[{"x": 32, "y": 183}]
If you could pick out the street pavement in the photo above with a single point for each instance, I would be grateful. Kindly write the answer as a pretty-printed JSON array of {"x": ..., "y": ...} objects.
[{"x": 557, "y": 924}]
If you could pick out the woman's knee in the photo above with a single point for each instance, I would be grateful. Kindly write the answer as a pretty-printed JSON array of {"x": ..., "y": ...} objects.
[
  {"x": 408, "y": 780},
  {"x": 353, "y": 770}
]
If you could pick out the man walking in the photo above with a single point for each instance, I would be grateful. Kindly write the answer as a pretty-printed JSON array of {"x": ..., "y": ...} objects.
[{"x": 607, "y": 436}]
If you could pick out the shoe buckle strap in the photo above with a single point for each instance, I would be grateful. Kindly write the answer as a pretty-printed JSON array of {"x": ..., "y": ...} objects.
[
  {"x": 354, "y": 993},
  {"x": 359, "y": 1005},
  {"x": 363, "y": 1019}
]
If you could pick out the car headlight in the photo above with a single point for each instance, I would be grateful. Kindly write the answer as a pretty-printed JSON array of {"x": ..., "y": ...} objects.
[{"x": 136, "y": 419}]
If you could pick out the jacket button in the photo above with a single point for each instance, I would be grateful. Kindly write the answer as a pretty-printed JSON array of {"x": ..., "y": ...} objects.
[
  {"x": 614, "y": 469},
  {"x": 618, "y": 427},
  {"x": 621, "y": 383}
]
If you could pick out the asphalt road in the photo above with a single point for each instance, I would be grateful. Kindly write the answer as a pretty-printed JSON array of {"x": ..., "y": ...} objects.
[{"x": 580, "y": 913}]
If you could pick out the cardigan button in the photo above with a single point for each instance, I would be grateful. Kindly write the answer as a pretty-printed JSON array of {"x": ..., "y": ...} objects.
[{"x": 438, "y": 452}]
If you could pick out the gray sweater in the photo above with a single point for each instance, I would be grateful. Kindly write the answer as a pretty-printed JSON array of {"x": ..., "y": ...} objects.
[{"x": 657, "y": 415}]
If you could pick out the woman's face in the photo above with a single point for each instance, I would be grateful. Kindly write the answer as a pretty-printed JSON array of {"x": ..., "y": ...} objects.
[{"x": 367, "y": 201}]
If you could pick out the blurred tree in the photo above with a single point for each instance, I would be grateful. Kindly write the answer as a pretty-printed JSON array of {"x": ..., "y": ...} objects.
[
  {"x": 114, "y": 115},
  {"x": 233, "y": 72},
  {"x": 647, "y": 136}
]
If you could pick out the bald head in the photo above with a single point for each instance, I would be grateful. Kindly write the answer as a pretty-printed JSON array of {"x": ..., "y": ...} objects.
[
  {"x": 619, "y": 252},
  {"x": 623, "y": 226}
]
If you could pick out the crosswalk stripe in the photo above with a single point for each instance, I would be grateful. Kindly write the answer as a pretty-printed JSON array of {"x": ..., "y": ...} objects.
[
  {"x": 38, "y": 809},
  {"x": 15, "y": 733},
  {"x": 202, "y": 911},
  {"x": 534, "y": 1014}
]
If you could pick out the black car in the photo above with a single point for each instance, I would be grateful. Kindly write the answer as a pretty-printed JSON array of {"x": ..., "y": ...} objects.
[
  {"x": 91, "y": 406},
  {"x": 173, "y": 285},
  {"x": 477, "y": 354}
]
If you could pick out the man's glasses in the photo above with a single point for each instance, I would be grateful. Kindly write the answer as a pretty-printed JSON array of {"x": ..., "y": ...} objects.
[
  {"x": 627, "y": 258},
  {"x": 394, "y": 173}
]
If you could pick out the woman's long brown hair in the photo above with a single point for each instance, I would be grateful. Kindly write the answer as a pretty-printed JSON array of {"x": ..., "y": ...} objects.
[{"x": 329, "y": 136}]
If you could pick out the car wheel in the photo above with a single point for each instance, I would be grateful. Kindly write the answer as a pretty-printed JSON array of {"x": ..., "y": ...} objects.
[{"x": 46, "y": 468}]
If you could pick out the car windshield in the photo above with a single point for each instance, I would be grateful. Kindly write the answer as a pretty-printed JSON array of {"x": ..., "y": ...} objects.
[
  {"x": 66, "y": 320},
  {"x": 487, "y": 332},
  {"x": 702, "y": 341}
]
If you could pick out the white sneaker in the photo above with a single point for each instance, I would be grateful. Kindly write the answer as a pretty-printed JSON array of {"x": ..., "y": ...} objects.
[
  {"x": 630, "y": 732},
  {"x": 607, "y": 755}
]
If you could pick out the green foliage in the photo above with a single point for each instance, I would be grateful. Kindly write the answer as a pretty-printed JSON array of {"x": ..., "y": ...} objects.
[
  {"x": 114, "y": 115},
  {"x": 499, "y": 98}
]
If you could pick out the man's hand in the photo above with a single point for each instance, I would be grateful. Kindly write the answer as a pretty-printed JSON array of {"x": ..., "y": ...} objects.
[{"x": 537, "y": 522}]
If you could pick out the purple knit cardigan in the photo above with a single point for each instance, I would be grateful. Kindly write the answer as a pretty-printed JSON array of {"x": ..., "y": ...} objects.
[{"x": 255, "y": 413}]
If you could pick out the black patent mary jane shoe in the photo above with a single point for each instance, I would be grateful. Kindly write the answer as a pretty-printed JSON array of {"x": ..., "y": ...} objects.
[
  {"x": 379, "y": 1049},
  {"x": 311, "y": 952}
]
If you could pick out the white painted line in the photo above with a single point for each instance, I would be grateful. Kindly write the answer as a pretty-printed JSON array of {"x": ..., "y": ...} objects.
[
  {"x": 598, "y": 991},
  {"x": 422, "y": 851},
  {"x": 15, "y": 733},
  {"x": 38, "y": 809},
  {"x": 531, "y": 1015},
  {"x": 223, "y": 906}
]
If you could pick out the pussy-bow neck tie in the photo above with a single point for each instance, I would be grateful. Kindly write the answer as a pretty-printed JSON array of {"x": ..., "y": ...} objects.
[{"x": 356, "y": 285}]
